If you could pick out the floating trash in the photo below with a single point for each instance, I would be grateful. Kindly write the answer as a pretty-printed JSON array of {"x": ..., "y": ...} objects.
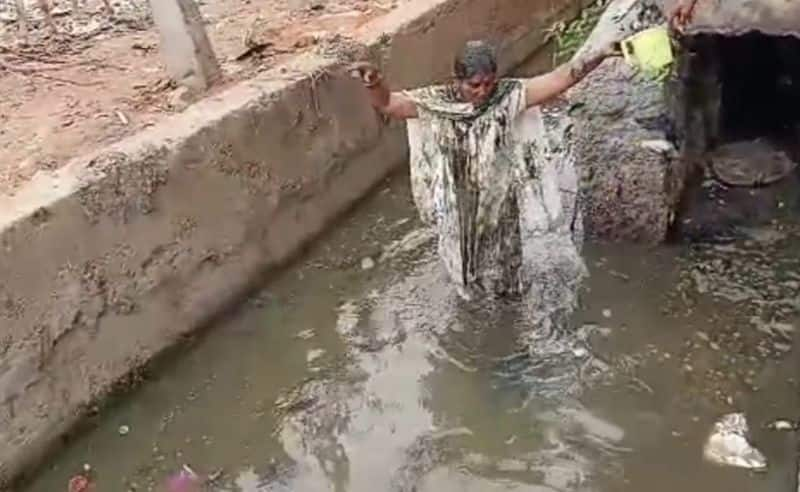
[
  {"x": 305, "y": 334},
  {"x": 124, "y": 430},
  {"x": 782, "y": 425},
  {"x": 185, "y": 480},
  {"x": 728, "y": 444},
  {"x": 314, "y": 354},
  {"x": 580, "y": 352},
  {"x": 79, "y": 483},
  {"x": 367, "y": 263},
  {"x": 82, "y": 482}
]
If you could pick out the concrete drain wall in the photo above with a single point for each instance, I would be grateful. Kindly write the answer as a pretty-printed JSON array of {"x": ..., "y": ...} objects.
[{"x": 119, "y": 254}]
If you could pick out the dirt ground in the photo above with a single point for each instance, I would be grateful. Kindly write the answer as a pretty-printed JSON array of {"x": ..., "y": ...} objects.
[{"x": 99, "y": 76}]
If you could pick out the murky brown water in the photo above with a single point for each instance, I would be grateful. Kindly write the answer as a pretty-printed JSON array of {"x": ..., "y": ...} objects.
[{"x": 345, "y": 376}]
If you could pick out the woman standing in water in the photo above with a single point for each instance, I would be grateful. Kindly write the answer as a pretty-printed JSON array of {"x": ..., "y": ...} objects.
[{"x": 506, "y": 214}]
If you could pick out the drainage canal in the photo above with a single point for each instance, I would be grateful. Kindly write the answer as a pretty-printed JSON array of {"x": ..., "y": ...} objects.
[{"x": 359, "y": 369}]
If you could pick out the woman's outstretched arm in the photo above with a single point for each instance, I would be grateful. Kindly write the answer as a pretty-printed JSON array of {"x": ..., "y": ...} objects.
[
  {"x": 545, "y": 87},
  {"x": 392, "y": 104}
]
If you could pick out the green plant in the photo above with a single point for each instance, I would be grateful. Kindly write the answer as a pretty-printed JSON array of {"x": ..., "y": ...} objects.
[{"x": 569, "y": 37}]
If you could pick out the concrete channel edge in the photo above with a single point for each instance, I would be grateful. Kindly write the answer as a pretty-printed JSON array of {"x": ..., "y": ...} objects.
[{"x": 120, "y": 254}]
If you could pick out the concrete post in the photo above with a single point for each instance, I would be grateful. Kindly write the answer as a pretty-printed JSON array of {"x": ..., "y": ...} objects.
[{"x": 185, "y": 46}]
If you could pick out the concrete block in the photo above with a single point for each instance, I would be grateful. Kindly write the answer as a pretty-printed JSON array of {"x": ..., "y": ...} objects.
[
  {"x": 17, "y": 374},
  {"x": 623, "y": 139}
]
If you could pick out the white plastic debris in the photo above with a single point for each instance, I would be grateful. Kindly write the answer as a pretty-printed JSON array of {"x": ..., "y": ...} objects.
[
  {"x": 314, "y": 354},
  {"x": 580, "y": 352},
  {"x": 728, "y": 445},
  {"x": 367, "y": 263},
  {"x": 782, "y": 425}
]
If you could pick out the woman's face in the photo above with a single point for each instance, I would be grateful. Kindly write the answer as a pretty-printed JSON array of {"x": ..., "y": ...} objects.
[{"x": 478, "y": 88}]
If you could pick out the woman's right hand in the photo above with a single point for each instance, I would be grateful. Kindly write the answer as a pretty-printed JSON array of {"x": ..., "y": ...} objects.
[
  {"x": 393, "y": 104},
  {"x": 368, "y": 74}
]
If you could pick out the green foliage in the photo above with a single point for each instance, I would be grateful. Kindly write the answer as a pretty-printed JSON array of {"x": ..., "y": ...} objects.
[{"x": 569, "y": 37}]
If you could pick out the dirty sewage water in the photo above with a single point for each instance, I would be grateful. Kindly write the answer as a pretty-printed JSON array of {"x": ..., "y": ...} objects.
[{"x": 359, "y": 370}]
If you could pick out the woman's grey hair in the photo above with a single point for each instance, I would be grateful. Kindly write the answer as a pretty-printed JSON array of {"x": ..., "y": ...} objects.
[{"x": 477, "y": 57}]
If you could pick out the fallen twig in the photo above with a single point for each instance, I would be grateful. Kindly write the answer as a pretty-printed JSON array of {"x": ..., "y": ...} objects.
[
  {"x": 27, "y": 69},
  {"x": 29, "y": 57},
  {"x": 122, "y": 118},
  {"x": 58, "y": 64},
  {"x": 318, "y": 75},
  {"x": 253, "y": 50},
  {"x": 19, "y": 69},
  {"x": 37, "y": 73},
  {"x": 99, "y": 64}
]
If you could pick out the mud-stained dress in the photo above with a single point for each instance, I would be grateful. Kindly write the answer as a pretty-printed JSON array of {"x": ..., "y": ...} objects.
[{"x": 506, "y": 213}]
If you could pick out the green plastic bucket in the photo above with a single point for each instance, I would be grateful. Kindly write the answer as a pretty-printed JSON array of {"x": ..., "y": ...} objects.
[{"x": 650, "y": 51}]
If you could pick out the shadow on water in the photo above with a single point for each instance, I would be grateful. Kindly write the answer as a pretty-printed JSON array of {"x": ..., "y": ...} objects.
[{"x": 360, "y": 370}]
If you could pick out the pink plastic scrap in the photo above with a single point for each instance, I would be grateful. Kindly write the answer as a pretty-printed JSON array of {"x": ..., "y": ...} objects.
[{"x": 184, "y": 481}]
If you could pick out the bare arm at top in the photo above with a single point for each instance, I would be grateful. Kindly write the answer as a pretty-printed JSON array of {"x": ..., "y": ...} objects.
[
  {"x": 393, "y": 104},
  {"x": 543, "y": 88}
]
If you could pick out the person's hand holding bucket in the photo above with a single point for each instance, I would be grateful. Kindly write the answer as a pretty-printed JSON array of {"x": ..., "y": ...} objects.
[{"x": 681, "y": 16}]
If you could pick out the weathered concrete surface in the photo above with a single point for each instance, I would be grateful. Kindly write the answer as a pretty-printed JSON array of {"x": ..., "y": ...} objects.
[
  {"x": 735, "y": 17},
  {"x": 185, "y": 46},
  {"x": 118, "y": 255},
  {"x": 622, "y": 140}
]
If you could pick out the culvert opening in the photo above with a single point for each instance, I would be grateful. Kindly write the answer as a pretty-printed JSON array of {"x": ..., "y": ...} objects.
[
  {"x": 736, "y": 88},
  {"x": 736, "y": 107},
  {"x": 760, "y": 82}
]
